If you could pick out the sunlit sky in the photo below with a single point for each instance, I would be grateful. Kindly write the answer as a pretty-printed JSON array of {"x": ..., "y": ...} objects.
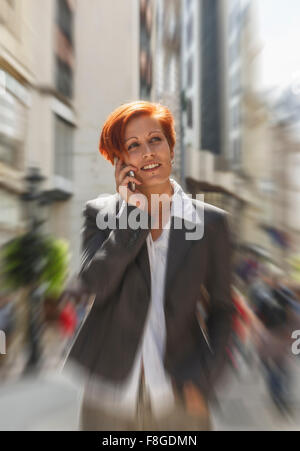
[{"x": 279, "y": 31}]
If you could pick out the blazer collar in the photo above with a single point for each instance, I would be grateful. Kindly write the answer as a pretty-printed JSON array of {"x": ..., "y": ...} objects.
[{"x": 185, "y": 218}]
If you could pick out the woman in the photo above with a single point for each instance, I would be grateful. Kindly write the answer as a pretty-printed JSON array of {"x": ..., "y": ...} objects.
[{"x": 150, "y": 365}]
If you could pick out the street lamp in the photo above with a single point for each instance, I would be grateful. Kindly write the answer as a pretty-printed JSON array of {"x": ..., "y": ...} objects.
[{"x": 33, "y": 198}]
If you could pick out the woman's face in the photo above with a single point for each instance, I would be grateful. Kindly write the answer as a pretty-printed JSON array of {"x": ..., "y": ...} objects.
[{"x": 146, "y": 143}]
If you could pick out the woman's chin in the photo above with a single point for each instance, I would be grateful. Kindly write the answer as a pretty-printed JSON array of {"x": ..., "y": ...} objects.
[{"x": 154, "y": 179}]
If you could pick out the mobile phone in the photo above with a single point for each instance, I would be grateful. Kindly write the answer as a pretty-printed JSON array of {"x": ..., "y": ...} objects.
[
  {"x": 130, "y": 173},
  {"x": 131, "y": 184}
]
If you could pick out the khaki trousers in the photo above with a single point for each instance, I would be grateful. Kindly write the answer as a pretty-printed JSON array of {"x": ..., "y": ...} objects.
[{"x": 94, "y": 418}]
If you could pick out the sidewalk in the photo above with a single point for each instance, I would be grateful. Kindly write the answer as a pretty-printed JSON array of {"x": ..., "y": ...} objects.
[
  {"x": 45, "y": 402},
  {"x": 245, "y": 403},
  {"x": 50, "y": 401}
]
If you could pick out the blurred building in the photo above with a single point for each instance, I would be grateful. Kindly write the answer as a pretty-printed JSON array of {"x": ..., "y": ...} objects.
[
  {"x": 167, "y": 71},
  {"x": 107, "y": 75},
  {"x": 271, "y": 176},
  {"x": 146, "y": 26},
  {"x": 160, "y": 63},
  {"x": 215, "y": 57},
  {"x": 209, "y": 80},
  {"x": 286, "y": 170},
  {"x": 16, "y": 77},
  {"x": 266, "y": 173},
  {"x": 254, "y": 179},
  {"x": 37, "y": 62},
  {"x": 64, "y": 66}
]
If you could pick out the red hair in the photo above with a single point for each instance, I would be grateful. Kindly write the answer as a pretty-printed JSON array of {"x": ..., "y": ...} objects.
[{"x": 113, "y": 131}]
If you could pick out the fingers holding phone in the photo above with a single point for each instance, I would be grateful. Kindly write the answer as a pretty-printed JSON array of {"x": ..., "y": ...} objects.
[
  {"x": 122, "y": 171},
  {"x": 131, "y": 185},
  {"x": 125, "y": 177}
]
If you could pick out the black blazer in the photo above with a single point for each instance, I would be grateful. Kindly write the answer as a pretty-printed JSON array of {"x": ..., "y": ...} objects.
[{"x": 115, "y": 267}]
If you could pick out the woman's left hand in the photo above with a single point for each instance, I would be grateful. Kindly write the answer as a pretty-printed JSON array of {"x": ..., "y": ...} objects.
[{"x": 195, "y": 402}]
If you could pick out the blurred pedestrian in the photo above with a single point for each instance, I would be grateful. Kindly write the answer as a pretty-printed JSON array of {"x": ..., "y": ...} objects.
[
  {"x": 273, "y": 310},
  {"x": 7, "y": 324},
  {"x": 81, "y": 310},
  {"x": 247, "y": 268},
  {"x": 245, "y": 328},
  {"x": 67, "y": 321},
  {"x": 6, "y": 314}
]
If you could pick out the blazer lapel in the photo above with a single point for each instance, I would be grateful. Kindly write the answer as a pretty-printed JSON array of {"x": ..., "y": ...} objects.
[
  {"x": 177, "y": 249},
  {"x": 144, "y": 265}
]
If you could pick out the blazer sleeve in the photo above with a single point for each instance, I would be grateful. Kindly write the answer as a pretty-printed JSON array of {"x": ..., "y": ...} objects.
[
  {"x": 219, "y": 323},
  {"x": 106, "y": 255}
]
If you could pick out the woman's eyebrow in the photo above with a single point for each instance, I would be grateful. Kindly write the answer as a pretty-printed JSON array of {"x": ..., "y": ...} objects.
[
  {"x": 153, "y": 131},
  {"x": 130, "y": 138}
]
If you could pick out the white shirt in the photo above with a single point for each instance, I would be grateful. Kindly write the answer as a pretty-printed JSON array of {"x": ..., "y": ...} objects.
[{"x": 122, "y": 398}]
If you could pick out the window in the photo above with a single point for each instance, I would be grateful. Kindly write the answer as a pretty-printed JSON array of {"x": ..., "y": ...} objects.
[
  {"x": 145, "y": 75},
  {"x": 235, "y": 17},
  {"x": 236, "y": 151},
  {"x": 9, "y": 152},
  {"x": 235, "y": 117},
  {"x": 63, "y": 148},
  {"x": 145, "y": 49},
  {"x": 64, "y": 78},
  {"x": 210, "y": 81},
  {"x": 235, "y": 84},
  {"x": 190, "y": 31},
  {"x": 13, "y": 121},
  {"x": 189, "y": 110},
  {"x": 190, "y": 71},
  {"x": 65, "y": 19},
  {"x": 172, "y": 75},
  {"x": 188, "y": 4},
  {"x": 64, "y": 72},
  {"x": 234, "y": 51}
]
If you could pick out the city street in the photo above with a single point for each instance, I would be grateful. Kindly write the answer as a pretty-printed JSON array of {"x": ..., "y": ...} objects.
[
  {"x": 245, "y": 403},
  {"x": 51, "y": 402},
  {"x": 181, "y": 115},
  {"x": 46, "y": 402}
]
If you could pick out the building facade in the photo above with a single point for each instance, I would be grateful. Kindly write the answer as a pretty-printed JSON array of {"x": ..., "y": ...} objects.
[
  {"x": 64, "y": 66},
  {"x": 107, "y": 75},
  {"x": 15, "y": 99},
  {"x": 213, "y": 57},
  {"x": 160, "y": 64}
]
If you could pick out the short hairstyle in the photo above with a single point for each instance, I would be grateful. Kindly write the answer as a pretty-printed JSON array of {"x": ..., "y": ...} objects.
[{"x": 113, "y": 131}]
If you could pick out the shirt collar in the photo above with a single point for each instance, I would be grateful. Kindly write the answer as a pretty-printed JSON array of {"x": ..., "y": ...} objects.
[{"x": 182, "y": 204}]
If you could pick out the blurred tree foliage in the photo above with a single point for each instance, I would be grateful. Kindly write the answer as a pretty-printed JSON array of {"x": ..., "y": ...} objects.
[
  {"x": 35, "y": 259},
  {"x": 295, "y": 266}
]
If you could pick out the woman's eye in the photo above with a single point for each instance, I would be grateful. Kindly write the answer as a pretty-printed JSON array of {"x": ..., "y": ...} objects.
[
  {"x": 135, "y": 144},
  {"x": 156, "y": 138}
]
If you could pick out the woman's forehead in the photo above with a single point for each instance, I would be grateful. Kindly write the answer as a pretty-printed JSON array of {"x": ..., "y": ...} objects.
[{"x": 141, "y": 125}]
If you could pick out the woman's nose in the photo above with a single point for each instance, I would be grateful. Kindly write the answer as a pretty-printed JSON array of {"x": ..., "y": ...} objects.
[{"x": 146, "y": 149}]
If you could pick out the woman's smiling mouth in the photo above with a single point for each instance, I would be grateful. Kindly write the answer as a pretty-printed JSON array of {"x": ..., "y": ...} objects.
[{"x": 150, "y": 167}]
